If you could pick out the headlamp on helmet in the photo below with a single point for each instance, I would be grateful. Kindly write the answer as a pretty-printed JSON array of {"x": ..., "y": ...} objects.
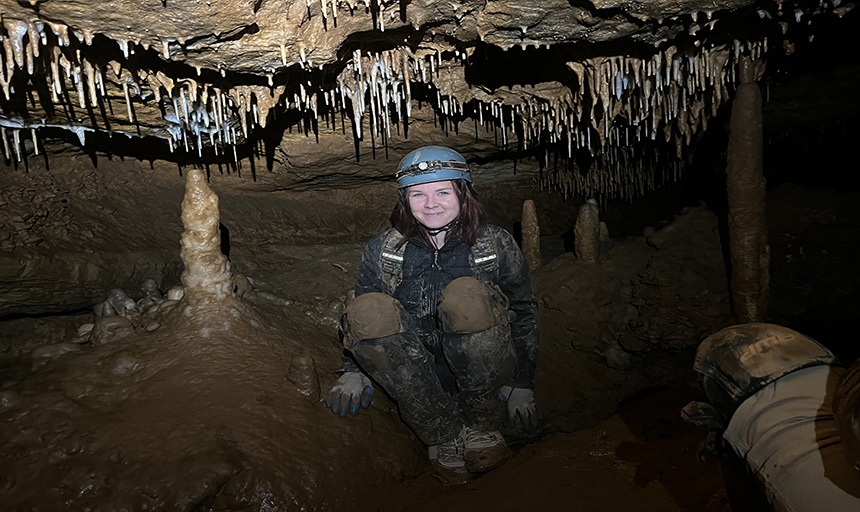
[{"x": 432, "y": 163}]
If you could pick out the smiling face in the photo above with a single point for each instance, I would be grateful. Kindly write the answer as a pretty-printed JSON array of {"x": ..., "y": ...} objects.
[{"x": 434, "y": 204}]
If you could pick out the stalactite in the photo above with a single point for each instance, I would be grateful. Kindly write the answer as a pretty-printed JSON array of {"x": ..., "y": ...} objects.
[
  {"x": 6, "y": 151},
  {"x": 619, "y": 103}
]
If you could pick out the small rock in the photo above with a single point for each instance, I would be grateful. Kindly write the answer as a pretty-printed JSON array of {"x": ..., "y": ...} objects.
[
  {"x": 163, "y": 307},
  {"x": 175, "y": 293},
  {"x": 122, "y": 363},
  {"x": 120, "y": 300},
  {"x": 110, "y": 328},
  {"x": 241, "y": 285},
  {"x": 616, "y": 357},
  {"x": 80, "y": 340},
  {"x": 45, "y": 353},
  {"x": 167, "y": 305},
  {"x": 303, "y": 374},
  {"x": 150, "y": 288},
  {"x": 103, "y": 309}
]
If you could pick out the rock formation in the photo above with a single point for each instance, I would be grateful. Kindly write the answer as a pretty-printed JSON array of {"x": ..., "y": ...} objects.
[
  {"x": 207, "y": 272},
  {"x": 296, "y": 112},
  {"x": 213, "y": 409},
  {"x": 630, "y": 321},
  {"x": 746, "y": 191},
  {"x": 214, "y": 78},
  {"x": 587, "y": 232},
  {"x": 531, "y": 235}
]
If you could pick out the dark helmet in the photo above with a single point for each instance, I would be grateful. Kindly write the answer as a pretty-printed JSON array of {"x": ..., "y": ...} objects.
[
  {"x": 738, "y": 361},
  {"x": 432, "y": 163}
]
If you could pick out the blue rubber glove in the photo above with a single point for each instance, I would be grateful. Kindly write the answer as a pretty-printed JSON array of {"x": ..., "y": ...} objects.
[
  {"x": 521, "y": 406},
  {"x": 351, "y": 392}
]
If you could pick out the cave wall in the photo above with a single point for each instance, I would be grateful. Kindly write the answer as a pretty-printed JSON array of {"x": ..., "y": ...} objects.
[{"x": 297, "y": 113}]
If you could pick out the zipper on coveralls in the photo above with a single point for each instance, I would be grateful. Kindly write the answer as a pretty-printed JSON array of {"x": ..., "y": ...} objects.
[{"x": 437, "y": 335}]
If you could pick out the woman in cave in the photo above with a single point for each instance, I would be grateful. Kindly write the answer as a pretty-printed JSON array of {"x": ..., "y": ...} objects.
[{"x": 443, "y": 319}]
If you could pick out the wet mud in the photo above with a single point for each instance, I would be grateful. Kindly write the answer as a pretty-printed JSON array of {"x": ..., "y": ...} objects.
[
  {"x": 195, "y": 416},
  {"x": 217, "y": 408},
  {"x": 183, "y": 418},
  {"x": 204, "y": 411},
  {"x": 644, "y": 458}
]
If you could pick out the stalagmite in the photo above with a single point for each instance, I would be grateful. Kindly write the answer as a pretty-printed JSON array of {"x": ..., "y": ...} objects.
[
  {"x": 206, "y": 279},
  {"x": 745, "y": 182},
  {"x": 531, "y": 235},
  {"x": 587, "y": 233}
]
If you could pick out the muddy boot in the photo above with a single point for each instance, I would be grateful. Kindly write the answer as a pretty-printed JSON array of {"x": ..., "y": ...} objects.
[
  {"x": 447, "y": 462},
  {"x": 484, "y": 450}
]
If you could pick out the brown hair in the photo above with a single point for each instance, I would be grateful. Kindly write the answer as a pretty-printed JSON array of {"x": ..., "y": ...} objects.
[{"x": 468, "y": 224}]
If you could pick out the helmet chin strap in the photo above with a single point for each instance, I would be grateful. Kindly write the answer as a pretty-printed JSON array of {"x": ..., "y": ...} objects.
[
  {"x": 446, "y": 227},
  {"x": 436, "y": 231}
]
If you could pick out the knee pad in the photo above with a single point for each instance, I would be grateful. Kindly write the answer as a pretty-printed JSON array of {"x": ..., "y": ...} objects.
[
  {"x": 370, "y": 316},
  {"x": 469, "y": 305}
]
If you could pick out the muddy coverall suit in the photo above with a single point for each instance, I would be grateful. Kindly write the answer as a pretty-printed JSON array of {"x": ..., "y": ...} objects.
[
  {"x": 448, "y": 336},
  {"x": 771, "y": 394}
]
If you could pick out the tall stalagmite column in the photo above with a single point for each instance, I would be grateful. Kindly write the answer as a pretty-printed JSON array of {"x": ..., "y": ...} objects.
[
  {"x": 745, "y": 182},
  {"x": 531, "y": 235},
  {"x": 586, "y": 233},
  {"x": 206, "y": 278}
]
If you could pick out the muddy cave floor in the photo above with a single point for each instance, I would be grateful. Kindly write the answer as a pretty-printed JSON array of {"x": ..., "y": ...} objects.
[{"x": 644, "y": 457}]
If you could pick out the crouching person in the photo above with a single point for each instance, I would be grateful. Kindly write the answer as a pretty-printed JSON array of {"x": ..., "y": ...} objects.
[
  {"x": 847, "y": 408},
  {"x": 770, "y": 392},
  {"x": 443, "y": 319}
]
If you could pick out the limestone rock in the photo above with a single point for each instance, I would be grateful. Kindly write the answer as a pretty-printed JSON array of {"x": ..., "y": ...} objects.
[
  {"x": 587, "y": 233},
  {"x": 110, "y": 328},
  {"x": 41, "y": 355},
  {"x": 531, "y": 235},
  {"x": 303, "y": 374}
]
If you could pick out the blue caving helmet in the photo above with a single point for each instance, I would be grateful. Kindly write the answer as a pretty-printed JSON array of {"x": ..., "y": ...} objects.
[{"x": 432, "y": 163}]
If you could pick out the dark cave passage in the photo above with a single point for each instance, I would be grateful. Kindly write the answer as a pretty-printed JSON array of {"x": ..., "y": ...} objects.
[{"x": 200, "y": 385}]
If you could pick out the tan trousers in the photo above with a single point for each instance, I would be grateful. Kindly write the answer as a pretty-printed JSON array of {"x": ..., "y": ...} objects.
[{"x": 789, "y": 438}]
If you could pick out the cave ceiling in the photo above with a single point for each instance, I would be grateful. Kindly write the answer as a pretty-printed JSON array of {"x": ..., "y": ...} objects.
[{"x": 606, "y": 84}]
